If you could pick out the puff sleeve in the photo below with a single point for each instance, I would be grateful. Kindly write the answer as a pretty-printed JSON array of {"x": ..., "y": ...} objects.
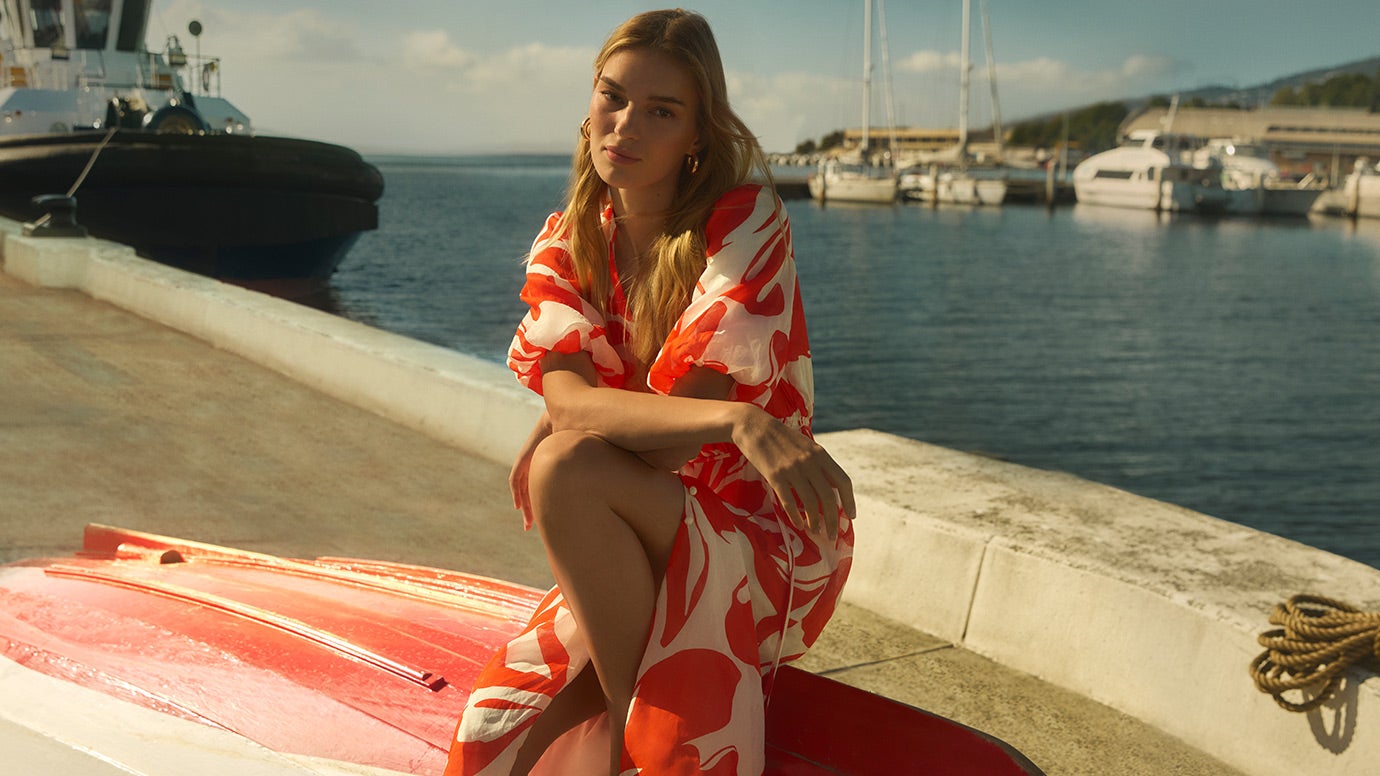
[
  {"x": 745, "y": 318},
  {"x": 559, "y": 318}
]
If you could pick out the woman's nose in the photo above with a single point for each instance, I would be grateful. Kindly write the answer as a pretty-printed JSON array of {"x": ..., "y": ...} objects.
[{"x": 623, "y": 122}]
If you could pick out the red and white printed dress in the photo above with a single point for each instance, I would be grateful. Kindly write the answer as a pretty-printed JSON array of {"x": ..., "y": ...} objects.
[{"x": 745, "y": 590}]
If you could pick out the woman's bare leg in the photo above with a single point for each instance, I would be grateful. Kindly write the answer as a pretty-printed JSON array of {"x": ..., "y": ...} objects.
[
  {"x": 580, "y": 700},
  {"x": 609, "y": 522}
]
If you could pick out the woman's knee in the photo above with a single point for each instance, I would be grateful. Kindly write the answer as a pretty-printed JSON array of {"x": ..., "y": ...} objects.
[{"x": 566, "y": 464}]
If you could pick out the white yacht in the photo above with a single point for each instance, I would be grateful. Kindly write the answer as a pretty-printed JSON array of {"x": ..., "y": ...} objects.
[
  {"x": 1254, "y": 183},
  {"x": 1361, "y": 190},
  {"x": 1151, "y": 171}
]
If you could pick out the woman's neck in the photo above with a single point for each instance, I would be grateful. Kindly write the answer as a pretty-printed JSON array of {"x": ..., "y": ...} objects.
[{"x": 639, "y": 224}]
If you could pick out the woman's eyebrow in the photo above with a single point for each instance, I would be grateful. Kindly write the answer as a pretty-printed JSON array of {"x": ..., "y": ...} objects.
[{"x": 653, "y": 98}]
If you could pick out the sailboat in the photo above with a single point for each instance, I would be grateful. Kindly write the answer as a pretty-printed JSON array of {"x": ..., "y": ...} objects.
[
  {"x": 947, "y": 177},
  {"x": 856, "y": 179}
]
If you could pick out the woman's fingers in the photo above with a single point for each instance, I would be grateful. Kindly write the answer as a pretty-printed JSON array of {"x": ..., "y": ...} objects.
[
  {"x": 810, "y": 485},
  {"x": 814, "y": 494}
]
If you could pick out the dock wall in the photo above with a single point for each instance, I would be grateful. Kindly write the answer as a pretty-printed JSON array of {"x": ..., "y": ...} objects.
[{"x": 1144, "y": 606}]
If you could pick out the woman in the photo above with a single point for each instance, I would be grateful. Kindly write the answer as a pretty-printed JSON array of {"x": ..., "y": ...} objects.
[{"x": 697, "y": 534}]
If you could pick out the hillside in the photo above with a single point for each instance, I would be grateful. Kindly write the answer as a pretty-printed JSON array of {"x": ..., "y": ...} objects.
[
  {"x": 1094, "y": 126},
  {"x": 1259, "y": 95}
]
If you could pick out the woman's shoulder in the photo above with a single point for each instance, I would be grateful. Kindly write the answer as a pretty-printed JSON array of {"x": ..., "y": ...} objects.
[
  {"x": 752, "y": 204},
  {"x": 751, "y": 196}
]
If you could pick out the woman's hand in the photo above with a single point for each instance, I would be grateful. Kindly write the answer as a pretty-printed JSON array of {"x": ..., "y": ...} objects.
[
  {"x": 517, "y": 478},
  {"x": 808, "y": 482}
]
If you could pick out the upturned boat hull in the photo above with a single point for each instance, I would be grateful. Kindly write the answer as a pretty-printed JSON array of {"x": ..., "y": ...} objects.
[{"x": 150, "y": 655}]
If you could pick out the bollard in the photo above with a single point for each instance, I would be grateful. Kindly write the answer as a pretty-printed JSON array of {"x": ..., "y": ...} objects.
[{"x": 60, "y": 220}]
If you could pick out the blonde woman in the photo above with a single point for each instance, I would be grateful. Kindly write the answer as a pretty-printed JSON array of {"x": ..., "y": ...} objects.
[{"x": 698, "y": 535}]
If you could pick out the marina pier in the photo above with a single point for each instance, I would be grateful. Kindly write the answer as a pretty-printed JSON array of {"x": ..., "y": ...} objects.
[{"x": 1097, "y": 631}]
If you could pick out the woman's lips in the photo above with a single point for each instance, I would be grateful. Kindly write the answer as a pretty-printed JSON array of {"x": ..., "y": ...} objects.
[{"x": 619, "y": 156}]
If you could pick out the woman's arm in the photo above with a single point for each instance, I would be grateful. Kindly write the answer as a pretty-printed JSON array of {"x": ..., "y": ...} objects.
[
  {"x": 637, "y": 422},
  {"x": 805, "y": 478},
  {"x": 698, "y": 383}
]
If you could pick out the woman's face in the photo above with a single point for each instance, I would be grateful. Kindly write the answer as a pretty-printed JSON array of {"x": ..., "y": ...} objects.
[{"x": 643, "y": 123}]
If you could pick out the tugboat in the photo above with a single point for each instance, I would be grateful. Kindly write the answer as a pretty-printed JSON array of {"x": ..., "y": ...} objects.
[{"x": 157, "y": 159}]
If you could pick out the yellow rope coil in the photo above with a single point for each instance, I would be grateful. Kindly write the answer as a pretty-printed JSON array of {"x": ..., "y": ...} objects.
[{"x": 1320, "y": 638}]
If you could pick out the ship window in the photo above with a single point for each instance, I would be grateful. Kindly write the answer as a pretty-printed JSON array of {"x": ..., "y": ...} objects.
[
  {"x": 133, "y": 17},
  {"x": 45, "y": 17},
  {"x": 1116, "y": 174},
  {"x": 93, "y": 23}
]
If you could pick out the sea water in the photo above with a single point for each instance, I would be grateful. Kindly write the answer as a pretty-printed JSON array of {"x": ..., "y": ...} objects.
[{"x": 1231, "y": 366}]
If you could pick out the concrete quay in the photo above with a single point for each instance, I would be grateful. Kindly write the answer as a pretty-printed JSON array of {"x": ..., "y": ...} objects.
[{"x": 1096, "y": 631}]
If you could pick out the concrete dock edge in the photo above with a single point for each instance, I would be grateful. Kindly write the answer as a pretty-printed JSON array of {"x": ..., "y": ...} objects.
[{"x": 1143, "y": 606}]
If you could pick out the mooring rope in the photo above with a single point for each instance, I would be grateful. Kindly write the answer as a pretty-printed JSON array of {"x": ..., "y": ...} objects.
[
  {"x": 90, "y": 162},
  {"x": 1320, "y": 638}
]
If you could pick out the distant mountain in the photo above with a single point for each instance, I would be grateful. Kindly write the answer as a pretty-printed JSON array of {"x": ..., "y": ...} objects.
[{"x": 1257, "y": 96}]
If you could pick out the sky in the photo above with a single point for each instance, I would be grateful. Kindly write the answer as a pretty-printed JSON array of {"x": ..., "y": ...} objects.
[{"x": 513, "y": 76}]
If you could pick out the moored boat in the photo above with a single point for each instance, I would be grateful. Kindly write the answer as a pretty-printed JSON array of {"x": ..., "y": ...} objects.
[
  {"x": 1358, "y": 195},
  {"x": 835, "y": 181},
  {"x": 856, "y": 178},
  {"x": 955, "y": 185},
  {"x": 1151, "y": 171},
  {"x": 951, "y": 176},
  {"x": 157, "y": 159},
  {"x": 151, "y": 655},
  {"x": 1254, "y": 182}
]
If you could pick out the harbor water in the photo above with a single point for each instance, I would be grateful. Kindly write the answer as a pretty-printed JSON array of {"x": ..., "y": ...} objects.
[{"x": 1230, "y": 366}]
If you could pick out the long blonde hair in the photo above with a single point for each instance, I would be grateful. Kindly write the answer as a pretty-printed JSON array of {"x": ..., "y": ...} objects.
[{"x": 730, "y": 154}]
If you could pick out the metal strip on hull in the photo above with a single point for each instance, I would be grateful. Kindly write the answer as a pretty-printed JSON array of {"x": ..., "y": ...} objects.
[{"x": 427, "y": 679}]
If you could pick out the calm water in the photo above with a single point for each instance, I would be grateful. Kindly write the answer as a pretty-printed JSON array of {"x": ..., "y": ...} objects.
[{"x": 1232, "y": 367}]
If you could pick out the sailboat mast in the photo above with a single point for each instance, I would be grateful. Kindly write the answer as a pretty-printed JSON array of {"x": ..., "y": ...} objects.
[
  {"x": 997, "y": 131},
  {"x": 867, "y": 78},
  {"x": 964, "y": 66},
  {"x": 886, "y": 85}
]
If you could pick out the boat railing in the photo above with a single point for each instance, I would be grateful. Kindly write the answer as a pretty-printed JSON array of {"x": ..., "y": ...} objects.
[
  {"x": 33, "y": 68},
  {"x": 204, "y": 75}
]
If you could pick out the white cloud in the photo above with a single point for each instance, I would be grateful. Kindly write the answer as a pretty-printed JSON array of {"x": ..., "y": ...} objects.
[
  {"x": 929, "y": 62},
  {"x": 430, "y": 51},
  {"x": 301, "y": 36},
  {"x": 1045, "y": 84},
  {"x": 788, "y": 108},
  {"x": 1145, "y": 66},
  {"x": 531, "y": 67}
]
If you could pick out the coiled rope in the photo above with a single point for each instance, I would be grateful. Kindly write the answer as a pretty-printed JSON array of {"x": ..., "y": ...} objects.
[{"x": 1320, "y": 638}]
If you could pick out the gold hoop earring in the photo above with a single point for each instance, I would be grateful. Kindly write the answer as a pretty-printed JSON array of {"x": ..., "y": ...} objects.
[
  {"x": 584, "y": 129},
  {"x": 692, "y": 164}
]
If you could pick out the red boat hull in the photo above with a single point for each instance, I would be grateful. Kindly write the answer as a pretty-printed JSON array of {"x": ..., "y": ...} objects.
[{"x": 369, "y": 663}]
